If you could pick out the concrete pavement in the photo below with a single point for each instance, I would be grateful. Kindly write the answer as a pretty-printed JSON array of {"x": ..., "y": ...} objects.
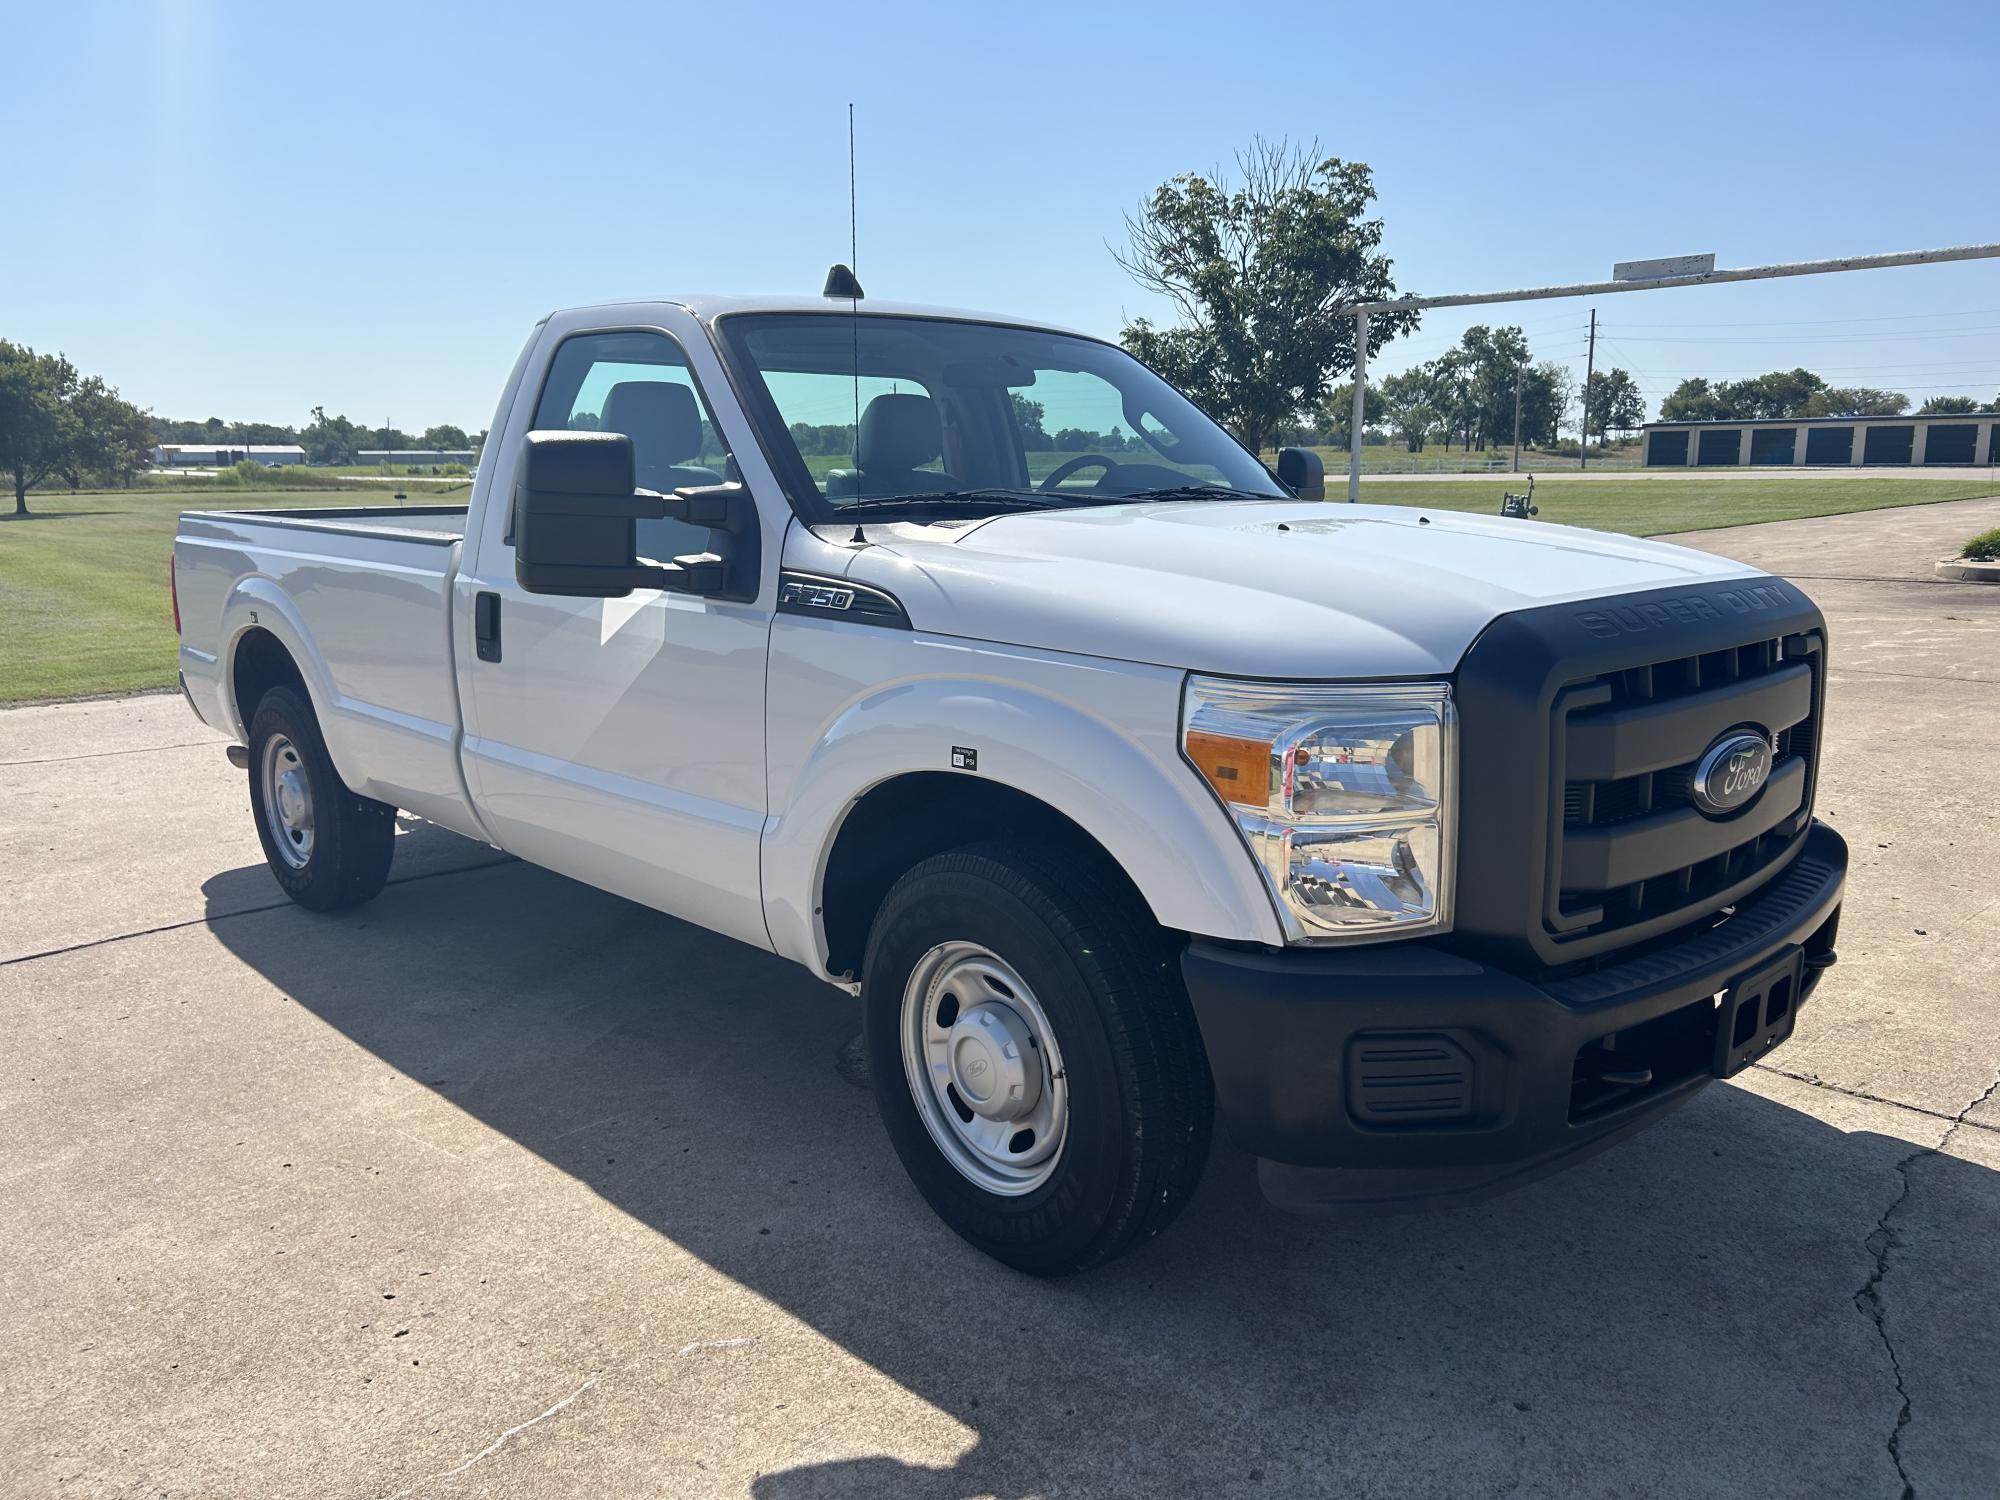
[{"x": 502, "y": 1186}]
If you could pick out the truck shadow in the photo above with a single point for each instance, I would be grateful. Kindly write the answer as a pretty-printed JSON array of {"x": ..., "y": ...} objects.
[{"x": 1677, "y": 1316}]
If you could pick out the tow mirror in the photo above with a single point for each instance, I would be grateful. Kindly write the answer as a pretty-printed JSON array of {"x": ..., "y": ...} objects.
[
  {"x": 576, "y": 533},
  {"x": 1301, "y": 472}
]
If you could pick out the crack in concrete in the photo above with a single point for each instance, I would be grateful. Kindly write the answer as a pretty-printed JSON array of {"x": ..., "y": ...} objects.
[
  {"x": 1813, "y": 1080},
  {"x": 1868, "y": 1300},
  {"x": 500, "y": 1442}
]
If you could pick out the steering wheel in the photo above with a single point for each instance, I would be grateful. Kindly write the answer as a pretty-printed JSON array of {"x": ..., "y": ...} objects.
[{"x": 1062, "y": 471}]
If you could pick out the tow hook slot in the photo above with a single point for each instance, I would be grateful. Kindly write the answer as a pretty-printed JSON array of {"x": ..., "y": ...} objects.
[{"x": 1758, "y": 1012}]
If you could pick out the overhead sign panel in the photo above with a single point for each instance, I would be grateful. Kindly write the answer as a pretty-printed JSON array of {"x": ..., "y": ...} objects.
[{"x": 1659, "y": 270}]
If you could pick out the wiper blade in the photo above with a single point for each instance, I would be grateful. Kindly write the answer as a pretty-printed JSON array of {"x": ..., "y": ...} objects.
[
  {"x": 1197, "y": 492},
  {"x": 951, "y": 500}
]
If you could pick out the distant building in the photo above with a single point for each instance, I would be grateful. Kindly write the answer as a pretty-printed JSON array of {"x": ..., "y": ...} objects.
[
  {"x": 222, "y": 455},
  {"x": 1824, "y": 441},
  {"x": 419, "y": 458}
]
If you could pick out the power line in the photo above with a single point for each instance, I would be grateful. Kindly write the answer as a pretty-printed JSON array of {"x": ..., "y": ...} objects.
[{"x": 1977, "y": 312}]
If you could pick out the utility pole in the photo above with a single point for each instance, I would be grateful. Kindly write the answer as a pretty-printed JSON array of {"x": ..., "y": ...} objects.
[
  {"x": 1589, "y": 362},
  {"x": 1519, "y": 366},
  {"x": 1360, "y": 405}
]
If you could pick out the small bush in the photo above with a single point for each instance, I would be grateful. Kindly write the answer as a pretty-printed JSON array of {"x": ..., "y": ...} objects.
[{"x": 1983, "y": 548}]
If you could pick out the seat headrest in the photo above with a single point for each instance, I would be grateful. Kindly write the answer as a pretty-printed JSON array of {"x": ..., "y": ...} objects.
[
  {"x": 899, "y": 432},
  {"x": 660, "y": 417}
]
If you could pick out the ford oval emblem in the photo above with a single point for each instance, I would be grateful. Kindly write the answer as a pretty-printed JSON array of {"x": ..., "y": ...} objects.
[{"x": 1731, "y": 772}]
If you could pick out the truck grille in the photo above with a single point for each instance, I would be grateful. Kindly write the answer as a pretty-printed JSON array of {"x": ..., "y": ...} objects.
[{"x": 1631, "y": 847}]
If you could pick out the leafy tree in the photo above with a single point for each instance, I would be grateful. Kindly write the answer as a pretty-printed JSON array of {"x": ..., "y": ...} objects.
[
  {"x": 1856, "y": 401},
  {"x": 38, "y": 421},
  {"x": 113, "y": 437},
  {"x": 1612, "y": 403},
  {"x": 1028, "y": 418},
  {"x": 1693, "y": 400},
  {"x": 1558, "y": 386},
  {"x": 1948, "y": 406},
  {"x": 1782, "y": 393},
  {"x": 1262, "y": 276},
  {"x": 329, "y": 440},
  {"x": 443, "y": 436},
  {"x": 1408, "y": 404},
  {"x": 1334, "y": 416}
]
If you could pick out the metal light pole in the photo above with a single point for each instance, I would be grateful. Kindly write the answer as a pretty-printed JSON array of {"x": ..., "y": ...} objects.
[
  {"x": 1360, "y": 405},
  {"x": 1519, "y": 367},
  {"x": 1634, "y": 281},
  {"x": 1589, "y": 364}
]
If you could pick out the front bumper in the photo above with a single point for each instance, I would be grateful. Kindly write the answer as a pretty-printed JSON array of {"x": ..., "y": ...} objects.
[{"x": 1404, "y": 1074}]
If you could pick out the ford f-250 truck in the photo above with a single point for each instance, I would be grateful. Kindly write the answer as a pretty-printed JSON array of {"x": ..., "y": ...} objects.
[{"x": 967, "y": 663}]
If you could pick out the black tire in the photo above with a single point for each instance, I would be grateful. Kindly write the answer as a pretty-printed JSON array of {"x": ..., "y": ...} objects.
[
  {"x": 353, "y": 837},
  {"x": 1140, "y": 1098}
]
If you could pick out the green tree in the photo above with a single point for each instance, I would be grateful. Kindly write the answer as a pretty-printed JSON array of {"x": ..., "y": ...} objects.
[
  {"x": 1948, "y": 406},
  {"x": 1781, "y": 393},
  {"x": 444, "y": 436},
  {"x": 1856, "y": 401},
  {"x": 1028, "y": 417},
  {"x": 329, "y": 440},
  {"x": 1262, "y": 276},
  {"x": 1334, "y": 416},
  {"x": 1408, "y": 405},
  {"x": 113, "y": 437},
  {"x": 1693, "y": 400},
  {"x": 39, "y": 426},
  {"x": 1612, "y": 402}
]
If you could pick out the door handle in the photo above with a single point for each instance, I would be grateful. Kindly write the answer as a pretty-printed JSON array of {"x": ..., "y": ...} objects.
[{"x": 486, "y": 626}]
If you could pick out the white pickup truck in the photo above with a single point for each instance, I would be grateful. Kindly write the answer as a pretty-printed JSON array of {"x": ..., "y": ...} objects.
[{"x": 965, "y": 662}]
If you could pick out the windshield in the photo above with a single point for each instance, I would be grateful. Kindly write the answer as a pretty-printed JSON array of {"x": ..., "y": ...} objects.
[{"x": 878, "y": 413}]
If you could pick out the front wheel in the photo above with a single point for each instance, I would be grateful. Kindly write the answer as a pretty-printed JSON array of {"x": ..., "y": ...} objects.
[
  {"x": 1034, "y": 1055},
  {"x": 328, "y": 847}
]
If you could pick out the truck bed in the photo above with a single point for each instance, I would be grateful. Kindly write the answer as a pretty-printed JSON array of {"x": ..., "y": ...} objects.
[{"x": 360, "y": 598}]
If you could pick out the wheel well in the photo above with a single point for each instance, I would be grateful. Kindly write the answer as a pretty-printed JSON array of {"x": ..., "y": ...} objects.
[
  {"x": 262, "y": 663},
  {"x": 906, "y": 820}
]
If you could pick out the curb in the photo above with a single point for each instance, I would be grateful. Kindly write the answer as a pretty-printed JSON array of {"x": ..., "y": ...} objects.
[{"x": 1962, "y": 570}]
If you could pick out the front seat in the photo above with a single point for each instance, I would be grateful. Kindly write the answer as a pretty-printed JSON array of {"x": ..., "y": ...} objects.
[
  {"x": 664, "y": 423},
  {"x": 899, "y": 434}
]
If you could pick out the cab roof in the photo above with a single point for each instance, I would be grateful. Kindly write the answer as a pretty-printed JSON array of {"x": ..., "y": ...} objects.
[{"x": 709, "y": 307}]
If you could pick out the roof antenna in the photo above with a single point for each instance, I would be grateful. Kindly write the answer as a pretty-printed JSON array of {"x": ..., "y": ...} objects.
[{"x": 842, "y": 282}]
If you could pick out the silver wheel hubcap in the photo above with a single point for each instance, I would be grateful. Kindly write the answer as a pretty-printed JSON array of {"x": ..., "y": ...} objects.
[
  {"x": 288, "y": 801},
  {"x": 984, "y": 1069}
]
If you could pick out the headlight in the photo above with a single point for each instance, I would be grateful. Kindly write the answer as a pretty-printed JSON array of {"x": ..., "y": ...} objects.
[{"x": 1344, "y": 795}]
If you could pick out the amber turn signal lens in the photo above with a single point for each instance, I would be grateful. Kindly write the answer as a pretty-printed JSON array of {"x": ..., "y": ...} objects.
[{"x": 1238, "y": 769}]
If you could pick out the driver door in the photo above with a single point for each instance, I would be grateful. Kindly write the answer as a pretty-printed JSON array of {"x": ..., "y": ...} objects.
[{"x": 621, "y": 741}]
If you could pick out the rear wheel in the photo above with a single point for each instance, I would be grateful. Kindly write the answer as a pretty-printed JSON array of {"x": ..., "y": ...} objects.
[
  {"x": 328, "y": 847},
  {"x": 1034, "y": 1055}
]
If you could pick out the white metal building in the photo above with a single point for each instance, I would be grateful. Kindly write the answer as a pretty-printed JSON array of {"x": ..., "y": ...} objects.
[
  {"x": 1779, "y": 442},
  {"x": 416, "y": 457},
  {"x": 222, "y": 455}
]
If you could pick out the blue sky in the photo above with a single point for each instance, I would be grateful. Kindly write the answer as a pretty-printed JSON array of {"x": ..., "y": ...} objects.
[{"x": 247, "y": 209}]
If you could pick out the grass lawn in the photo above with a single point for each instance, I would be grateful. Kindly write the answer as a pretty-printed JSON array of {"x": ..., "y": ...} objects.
[
  {"x": 1652, "y": 507},
  {"x": 83, "y": 582}
]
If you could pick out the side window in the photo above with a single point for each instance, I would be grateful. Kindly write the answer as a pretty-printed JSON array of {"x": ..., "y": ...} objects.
[{"x": 639, "y": 384}]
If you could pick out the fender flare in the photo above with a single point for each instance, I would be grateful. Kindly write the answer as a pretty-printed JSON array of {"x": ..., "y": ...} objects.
[
  {"x": 1138, "y": 800},
  {"x": 256, "y": 602}
]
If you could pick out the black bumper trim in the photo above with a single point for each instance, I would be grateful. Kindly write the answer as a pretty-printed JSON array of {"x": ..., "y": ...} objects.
[{"x": 1282, "y": 1030}]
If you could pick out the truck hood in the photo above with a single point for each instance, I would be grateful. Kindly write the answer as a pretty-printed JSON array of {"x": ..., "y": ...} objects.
[{"x": 1256, "y": 588}]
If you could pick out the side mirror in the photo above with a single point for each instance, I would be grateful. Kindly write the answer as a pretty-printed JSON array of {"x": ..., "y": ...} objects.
[
  {"x": 1301, "y": 472},
  {"x": 575, "y": 528}
]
